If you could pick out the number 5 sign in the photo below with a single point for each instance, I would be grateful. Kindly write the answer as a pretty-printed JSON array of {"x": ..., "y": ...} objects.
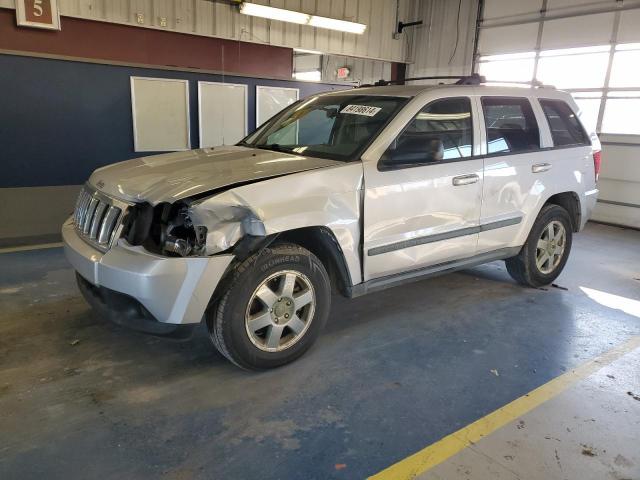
[{"x": 38, "y": 13}]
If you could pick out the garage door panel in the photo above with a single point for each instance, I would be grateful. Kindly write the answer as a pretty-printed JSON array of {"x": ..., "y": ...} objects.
[
  {"x": 509, "y": 39},
  {"x": 585, "y": 30},
  {"x": 621, "y": 163},
  {"x": 494, "y": 9},
  {"x": 629, "y": 31}
]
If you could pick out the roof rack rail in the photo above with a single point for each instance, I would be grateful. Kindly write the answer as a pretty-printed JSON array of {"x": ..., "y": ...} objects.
[
  {"x": 473, "y": 79},
  {"x": 533, "y": 83}
]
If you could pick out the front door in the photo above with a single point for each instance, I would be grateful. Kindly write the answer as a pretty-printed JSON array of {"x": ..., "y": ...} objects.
[{"x": 422, "y": 199}]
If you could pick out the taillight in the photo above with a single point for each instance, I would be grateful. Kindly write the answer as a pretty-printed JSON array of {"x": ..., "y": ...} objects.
[{"x": 597, "y": 160}]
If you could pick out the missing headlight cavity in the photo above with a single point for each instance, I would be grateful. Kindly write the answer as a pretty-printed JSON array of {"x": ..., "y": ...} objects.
[
  {"x": 192, "y": 228},
  {"x": 165, "y": 229}
]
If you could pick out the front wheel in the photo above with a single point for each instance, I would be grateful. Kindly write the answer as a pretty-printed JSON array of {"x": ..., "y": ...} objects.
[
  {"x": 275, "y": 305},
  {"x": 546, "y": 251}
]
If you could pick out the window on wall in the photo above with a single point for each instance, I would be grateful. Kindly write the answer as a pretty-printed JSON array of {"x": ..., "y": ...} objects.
[
  {"x": 574, "y": 68},
  {"x": 606, "y": 106},
  {"x": 512, "y": 67},
  {"x": 621, "y": 113},
  {"x": 511, "y": 125}
]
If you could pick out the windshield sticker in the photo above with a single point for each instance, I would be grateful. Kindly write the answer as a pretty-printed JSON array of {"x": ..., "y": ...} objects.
[{"x": 361, "y": 110}]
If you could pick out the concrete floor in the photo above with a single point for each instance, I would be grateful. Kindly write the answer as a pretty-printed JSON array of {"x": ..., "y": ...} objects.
[
  {"x": 590, "y": 431},
  {"x": 393, "y": 373}
]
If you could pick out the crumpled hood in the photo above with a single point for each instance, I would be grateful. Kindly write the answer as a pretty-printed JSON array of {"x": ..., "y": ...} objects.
[{"x": 172, "y": 176}]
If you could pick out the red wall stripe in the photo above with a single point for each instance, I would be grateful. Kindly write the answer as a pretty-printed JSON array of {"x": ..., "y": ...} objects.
[{"x": 111, "y": 42}]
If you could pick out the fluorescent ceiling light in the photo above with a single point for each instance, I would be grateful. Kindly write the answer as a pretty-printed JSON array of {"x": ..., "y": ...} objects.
[
  {"x": 304, "y": 50},
  {"x": 281, "y": 14},
  {"x": 335, "y": 24},
  {"x": 312, "y": 76},
  {"x": 291, "y": 16}
]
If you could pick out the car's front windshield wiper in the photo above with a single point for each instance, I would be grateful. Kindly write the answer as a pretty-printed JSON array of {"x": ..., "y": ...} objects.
[{"x": 276, "y": 147}]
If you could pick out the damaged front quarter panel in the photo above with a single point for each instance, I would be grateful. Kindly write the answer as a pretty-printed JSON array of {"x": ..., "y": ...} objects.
[{"x": 227, "y": 219}]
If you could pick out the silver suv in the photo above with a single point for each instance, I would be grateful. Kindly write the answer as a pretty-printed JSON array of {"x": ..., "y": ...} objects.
[{"x": 355, "y": 190}]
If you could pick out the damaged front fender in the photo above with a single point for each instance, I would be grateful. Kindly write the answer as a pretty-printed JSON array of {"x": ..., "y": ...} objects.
[{"x": 227, "y": 219}]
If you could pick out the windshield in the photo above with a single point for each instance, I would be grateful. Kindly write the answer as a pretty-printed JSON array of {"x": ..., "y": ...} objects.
[{"x": 338, "y": 127}]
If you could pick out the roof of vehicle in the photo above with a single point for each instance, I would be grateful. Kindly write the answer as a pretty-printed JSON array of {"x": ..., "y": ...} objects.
[{"x": 415, "y": 90}]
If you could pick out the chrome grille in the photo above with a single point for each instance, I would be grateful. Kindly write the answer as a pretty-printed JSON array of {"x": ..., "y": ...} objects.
[{"x": 96, "y": 218}]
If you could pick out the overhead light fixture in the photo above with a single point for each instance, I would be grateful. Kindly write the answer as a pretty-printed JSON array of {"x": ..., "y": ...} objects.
[
  {"x": 308, "y": 52},
  {"x": 291, "y": 16},
  {"x": 281, "y": 14},
  {"x": 335, "y": 24}
]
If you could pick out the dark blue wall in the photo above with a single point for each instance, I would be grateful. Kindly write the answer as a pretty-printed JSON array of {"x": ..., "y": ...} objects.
[{"x": 60, "y": 120}]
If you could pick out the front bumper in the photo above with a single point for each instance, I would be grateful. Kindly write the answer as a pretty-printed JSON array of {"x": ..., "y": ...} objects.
[{"x": 172, "y": 290}]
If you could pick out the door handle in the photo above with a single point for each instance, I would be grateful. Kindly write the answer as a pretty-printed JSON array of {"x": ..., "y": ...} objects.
[
  {"x": 540, "y": 167},
  {"x": 465, "y": 180}
]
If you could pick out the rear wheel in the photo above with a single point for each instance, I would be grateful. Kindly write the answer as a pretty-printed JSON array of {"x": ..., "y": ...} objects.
[
  {"x": 546, "y": 251},
  {"x": 275, "y": 305}
]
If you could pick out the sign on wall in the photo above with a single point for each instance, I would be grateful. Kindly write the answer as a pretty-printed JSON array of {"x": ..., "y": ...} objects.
[
  {"x": 38, "y": 14},
  {"x": 343, "y": 73}
]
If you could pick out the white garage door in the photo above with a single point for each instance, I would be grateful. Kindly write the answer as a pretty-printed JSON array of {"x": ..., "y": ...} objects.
[{"x": 591, "y": 49}]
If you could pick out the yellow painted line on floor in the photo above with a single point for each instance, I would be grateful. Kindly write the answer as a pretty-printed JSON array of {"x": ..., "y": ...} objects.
[
  {"x": 26, "y": 248},
  {"x": 436, "y": 453}
]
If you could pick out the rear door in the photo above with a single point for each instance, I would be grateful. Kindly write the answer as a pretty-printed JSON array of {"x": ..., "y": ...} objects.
[
  {"x": 515, "y": 169},
  {"x": 422, "y": 198}
]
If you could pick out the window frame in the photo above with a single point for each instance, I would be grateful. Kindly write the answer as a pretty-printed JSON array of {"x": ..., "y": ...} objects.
[
  {"x": 580, "y": 124},
  {"x": 486, "y": 133},
  {"x": 386, "y": 167}
]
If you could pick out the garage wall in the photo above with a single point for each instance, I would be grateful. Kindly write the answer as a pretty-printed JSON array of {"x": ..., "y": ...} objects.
[
  {"x": 443, "y": 44},
  {"x": 543, "y": 39},
  {"x": 221, "y": 19}
]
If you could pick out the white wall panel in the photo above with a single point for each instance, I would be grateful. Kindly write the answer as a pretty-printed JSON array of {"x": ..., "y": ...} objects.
[
  {"x": 222, "y": 113},
  {"x": 220, "y": 19},
  {"x": 434, "y": 42},
  {"x": 160, "y": 110}
]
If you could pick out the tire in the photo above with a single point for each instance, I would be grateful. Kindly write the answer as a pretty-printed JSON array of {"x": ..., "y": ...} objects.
[
  {"x": 526, "y": 268},
  {"x": 248, "y": 320}
]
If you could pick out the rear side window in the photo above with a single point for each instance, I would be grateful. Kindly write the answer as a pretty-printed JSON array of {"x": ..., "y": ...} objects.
[
  {"x": 442, "y": 130},
  {"x": 563, "y": 123},
  {"x": 511, "y": 125}
]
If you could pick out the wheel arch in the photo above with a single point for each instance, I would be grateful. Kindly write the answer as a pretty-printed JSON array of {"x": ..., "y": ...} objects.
[
  {"x": 570, "y": 201},
  {"x": 322, "y": 242}
]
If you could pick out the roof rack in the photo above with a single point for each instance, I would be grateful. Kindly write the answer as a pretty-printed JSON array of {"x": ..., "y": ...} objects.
[{"x": 473, "y": 79}]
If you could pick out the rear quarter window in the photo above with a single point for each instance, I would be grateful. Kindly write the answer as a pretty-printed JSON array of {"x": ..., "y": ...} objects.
[{"x": 564, "y": 125}]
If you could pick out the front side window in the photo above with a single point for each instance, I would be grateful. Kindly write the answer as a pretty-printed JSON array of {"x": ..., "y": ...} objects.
[
  {"x": 442, "y": 130},
  {"x": 563, "y": 123},
  {"x": 510, "y": 124},
  {"x": 338, "y": 127}
]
